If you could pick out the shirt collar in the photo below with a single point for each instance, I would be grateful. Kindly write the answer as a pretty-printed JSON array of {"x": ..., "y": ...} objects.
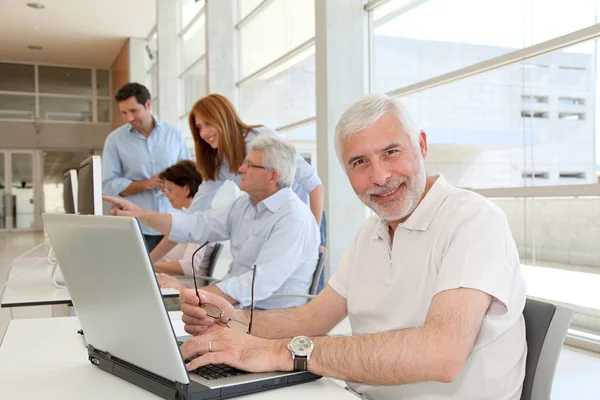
[
  {"x": 422, "y": 216},
  {"x": 157, "y": 126},
  {"x": 275, "y": 201}
]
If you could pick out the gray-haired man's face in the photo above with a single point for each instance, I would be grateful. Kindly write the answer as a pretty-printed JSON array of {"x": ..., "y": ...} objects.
[
  {"x": 385, "y": 169},
  {"x": 256, "y": 178}
]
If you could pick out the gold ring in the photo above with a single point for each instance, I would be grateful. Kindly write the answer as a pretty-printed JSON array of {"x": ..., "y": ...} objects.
[{"x": 209, "y": 347}]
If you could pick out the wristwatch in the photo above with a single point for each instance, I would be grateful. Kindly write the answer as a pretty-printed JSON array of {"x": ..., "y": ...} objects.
[{"x": 301, "y": 348}]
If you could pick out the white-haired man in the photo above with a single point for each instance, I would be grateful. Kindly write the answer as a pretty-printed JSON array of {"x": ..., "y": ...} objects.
[
  {"x": 269, "y": 227},
  {"x": 432, "y": 284}
]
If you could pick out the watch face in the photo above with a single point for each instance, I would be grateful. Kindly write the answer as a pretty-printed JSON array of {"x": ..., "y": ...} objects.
[{"x": 301, "y": 346}]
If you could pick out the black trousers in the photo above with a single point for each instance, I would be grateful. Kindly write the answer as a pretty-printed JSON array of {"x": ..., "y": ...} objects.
[{"x": 152, "y": 241}]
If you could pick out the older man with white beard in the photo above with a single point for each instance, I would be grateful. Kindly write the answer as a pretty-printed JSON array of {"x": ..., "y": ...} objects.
[{"x": 432, "y": 284}]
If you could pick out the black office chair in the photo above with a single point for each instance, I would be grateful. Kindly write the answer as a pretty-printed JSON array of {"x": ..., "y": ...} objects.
[
  {"x": 546, "y": 326},
  {"x": 317, "y": 275},
  {"x": 212, "y": 263}
]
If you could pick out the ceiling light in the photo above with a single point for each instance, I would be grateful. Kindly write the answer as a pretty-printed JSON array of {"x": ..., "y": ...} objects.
[
  {"x": 37, "y": 6},
  {"x": 34, "y": 47}
]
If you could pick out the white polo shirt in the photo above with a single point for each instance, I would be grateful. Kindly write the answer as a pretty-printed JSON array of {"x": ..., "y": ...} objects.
[{"x": 454, "y": 238}]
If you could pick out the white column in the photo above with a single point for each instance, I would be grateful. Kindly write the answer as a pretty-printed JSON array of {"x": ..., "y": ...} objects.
[
  {"x": 341, "y": 76},
  {"x": 137, "y": 55},
  {"x": 221, "y": 45},
  {"x": 222, "y": 67},
  {"x": 168, "y": 60}
]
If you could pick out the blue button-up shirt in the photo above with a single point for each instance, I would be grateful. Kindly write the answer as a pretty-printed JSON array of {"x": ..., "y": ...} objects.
[
  {"x": 278, "y": 235},
  {"x": 128, "y": 156},
  {"x": 305, "y": 179}
]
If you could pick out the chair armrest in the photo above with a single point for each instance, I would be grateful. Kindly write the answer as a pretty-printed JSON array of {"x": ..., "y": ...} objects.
[{"x": 204, "y": 278}]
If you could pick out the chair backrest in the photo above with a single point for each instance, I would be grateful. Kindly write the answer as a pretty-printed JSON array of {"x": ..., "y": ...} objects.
[
  {"x": 212, "y": 263},
  {"x": 317, "y": 274},
  {"x": 546, "y": 326}
]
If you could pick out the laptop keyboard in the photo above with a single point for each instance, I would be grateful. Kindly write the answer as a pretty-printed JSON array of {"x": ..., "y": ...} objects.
[{"x": 217, "y": 371}]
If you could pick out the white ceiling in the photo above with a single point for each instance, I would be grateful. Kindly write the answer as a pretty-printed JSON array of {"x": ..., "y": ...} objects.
[{"x": 72, "y": 32}]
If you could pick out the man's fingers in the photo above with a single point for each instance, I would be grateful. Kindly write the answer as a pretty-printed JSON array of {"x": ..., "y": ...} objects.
[
  {"x": 193, "y": 310},
  {"x": 195, "y": 330},
  {"x": 219, "y": 357},
  {"x": 188, "y": 296},
  {"x": 120, "y": 213},
  {"x": 114, "y": 200},
  {"x": 189, "y": 320}
]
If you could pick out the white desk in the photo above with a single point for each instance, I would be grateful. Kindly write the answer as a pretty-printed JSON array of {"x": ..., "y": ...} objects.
[
  {"x": 30, "y": 284},
  {"x": 45, "y": 358}
]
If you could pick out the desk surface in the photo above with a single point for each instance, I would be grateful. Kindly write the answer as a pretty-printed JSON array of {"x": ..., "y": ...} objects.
[
  {"x": 30, "y": 284},
  {"x": 45, "y": 358}
]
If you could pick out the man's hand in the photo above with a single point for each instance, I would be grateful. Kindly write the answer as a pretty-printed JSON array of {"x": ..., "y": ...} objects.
[
  {"x": 123, "y": 208},
  {"x": 238, "y": 350},
  {"x": 167, "y": 281},
  {"x": 195, "y": 319},
  {"x": 150, "y": 184}
]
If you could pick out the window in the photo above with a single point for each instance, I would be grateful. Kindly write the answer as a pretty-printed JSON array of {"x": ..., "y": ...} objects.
[
  {"x": 534, "y": 99},
  {"x": 572, "y": 175},
  {"x": 569, "y": 101},
  {"x": 55, "y": 84},
  {"x": 187, "y": 135},
  {"x": 537, "y": 175},
  {"x": 193, "y": 85},
  {"x": 17, "y": 78},
  {"x": 63, "y": 93},
  {"x": 192, "y": 74},
  {"x": 151, "y": 64},
  {"x": 103, "y": 95},
  {"x": 65, "y": 109},
  {"x": 247, "y": 6},
  {"x": 189, "y": 9},
  {"x": 304, "y": 138},
  {"x": 534, "y": 114},
  {"x": 571, "y": 116},
  {"x": 69, "y": 81},
  {"x": 193, "y": 42},
  {"x": 282, "y": 95},
  {"x": 416, "y": 40},
  {"x": 278, "y": 28},
  {"x": 576, "y": 69},
  {"x": 277, "y": 53},
  {"x": 17, "y": 107}
]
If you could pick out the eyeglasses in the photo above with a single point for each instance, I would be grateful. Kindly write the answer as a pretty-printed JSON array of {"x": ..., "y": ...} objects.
[
  {"x": 215, "y": 312},
  {"x": 250, "y": 165}
]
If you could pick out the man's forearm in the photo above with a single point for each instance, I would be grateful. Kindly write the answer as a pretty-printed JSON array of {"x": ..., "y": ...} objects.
[
  {"x": 168, "y": 267},
  {"x": 283, "y": 323},
  {"x": 316, "y": 203},
  {"x": 157, "y": 221},
  {"x": 215, "y": 289},
  {"x": 391, "y": 358},
  {"x": 133, "y": 188}
]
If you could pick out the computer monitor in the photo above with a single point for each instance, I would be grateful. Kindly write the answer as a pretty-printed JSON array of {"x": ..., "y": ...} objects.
[
  {"x": 89, "y": 191},
  {"x": 70, "y": 191}
]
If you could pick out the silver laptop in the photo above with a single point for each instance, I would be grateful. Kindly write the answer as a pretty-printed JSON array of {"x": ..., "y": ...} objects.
[{"x": 114, "y": 290}]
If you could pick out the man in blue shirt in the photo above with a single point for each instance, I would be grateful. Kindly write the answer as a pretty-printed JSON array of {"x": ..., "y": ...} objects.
[
  {"x": 135, "y": 153},
  {"x": 269, "y": 226}
]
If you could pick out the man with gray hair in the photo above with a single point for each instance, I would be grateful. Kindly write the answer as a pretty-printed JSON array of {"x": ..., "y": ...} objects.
[
  {"x": 269, "y": 226},
  {"x": 432, "y": 284}
]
